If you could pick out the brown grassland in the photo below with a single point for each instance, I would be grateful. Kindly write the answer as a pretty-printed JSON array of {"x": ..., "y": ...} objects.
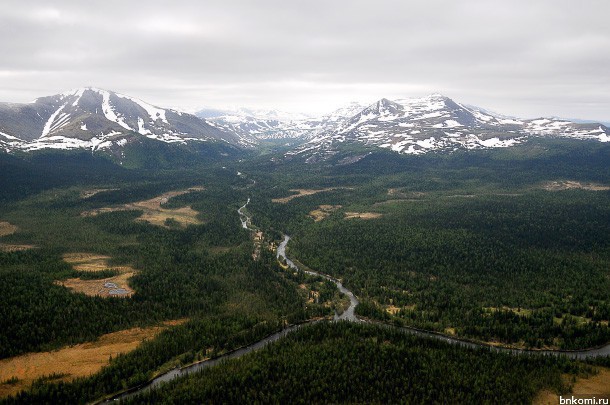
[
  {"x": 73, "y": 361},
  {"x": 87, "y": 261},
  {"x": 5, "y": 247},
  {"x": 92, "y": 263},
  {"x": 362, "y": 215},
  {"x": 102, "y": 287},
  {"x": 153, "y": 211},
  {"x": 392, "y": 309},
  {"x": 302, "y": 192},
  {"x": 6, "y": 228},
  {"x": 402, "y": 193},
  {"x": 323, "y": 211},
  {"x": 598, "y": 384}
]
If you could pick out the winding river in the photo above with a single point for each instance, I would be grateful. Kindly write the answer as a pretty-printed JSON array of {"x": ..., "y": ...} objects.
[
  {"x": 181, "y": 372},
  {"x": 243, "y": 218},
  {"x": 349, "y": 316}
]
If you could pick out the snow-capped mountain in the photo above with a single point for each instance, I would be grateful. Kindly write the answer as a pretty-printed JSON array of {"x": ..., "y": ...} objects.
[
  {"x": 98, "y": 119},
  {"x": 436, "y": 122},
  {"x": 256, "y": 125}
]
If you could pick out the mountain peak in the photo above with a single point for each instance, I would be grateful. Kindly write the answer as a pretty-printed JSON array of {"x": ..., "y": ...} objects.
[
  {"x": 80, "y": 90},
  {"x": 383, "y": 106}
]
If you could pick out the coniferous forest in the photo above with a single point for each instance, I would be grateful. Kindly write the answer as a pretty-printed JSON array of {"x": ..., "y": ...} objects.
[
  {"x": 359, "y": 363},
  {"x": 476, "y": 245}
]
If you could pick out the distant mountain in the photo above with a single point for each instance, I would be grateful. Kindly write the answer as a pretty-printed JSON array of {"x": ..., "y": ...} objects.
[
  {"x": 256, "y": 125},
  {"x": 97, "y": 119},
  {"x": 582, "y": 121},
  {"x": 436, "y": 122}
]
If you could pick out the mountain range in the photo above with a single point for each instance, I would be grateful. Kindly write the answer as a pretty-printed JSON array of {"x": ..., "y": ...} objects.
[
  {"x": 436, "y": 122},
  {"x": 97, "y": 120},
  {"x": 257, "y": 125}
]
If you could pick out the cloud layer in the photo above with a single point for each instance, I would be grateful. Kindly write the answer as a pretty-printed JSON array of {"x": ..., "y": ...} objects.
[{"x": 524, "y": 58}]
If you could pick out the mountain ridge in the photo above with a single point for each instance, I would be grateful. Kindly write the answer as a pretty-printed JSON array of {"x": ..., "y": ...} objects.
[
  {"x": 93, "y": 118},
  {"x": 97, "y": 119},
  {"x": 438, "y": 123}
]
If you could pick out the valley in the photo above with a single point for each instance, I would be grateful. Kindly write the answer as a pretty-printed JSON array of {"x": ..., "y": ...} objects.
[
  {"x": 271, "y": 202},
  {"x": 438, "y": 261},
  {"x": 109, "y": 123}
]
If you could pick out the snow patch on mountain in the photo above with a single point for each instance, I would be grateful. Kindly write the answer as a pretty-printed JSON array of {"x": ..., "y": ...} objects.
[
  {"x": 97, "y": 119},
  {"x": 49, "y": 124},
  {"x": 155, "y": 113},
  {"x": 141, "y": 128},
  {"x": 109, "y": 112},
  {"x": 78, "y": 93},
  {"x": 437, "y": 123},
  {"x": 79, "y": 118},
  {"x": 7, "y": 136}
]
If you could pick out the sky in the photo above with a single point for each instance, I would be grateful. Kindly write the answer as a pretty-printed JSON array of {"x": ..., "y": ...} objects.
[{"x": 522, "y": 58}]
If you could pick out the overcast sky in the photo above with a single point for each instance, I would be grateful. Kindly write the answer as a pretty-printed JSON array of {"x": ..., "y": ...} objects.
[{"x": 524, "y": 58}]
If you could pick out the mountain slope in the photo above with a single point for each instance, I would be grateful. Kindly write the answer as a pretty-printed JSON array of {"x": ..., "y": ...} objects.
[
  {"x": 95, "y": 119},
  {"x": 98, "y": 119},
  {"x": 436, "y": 122}
]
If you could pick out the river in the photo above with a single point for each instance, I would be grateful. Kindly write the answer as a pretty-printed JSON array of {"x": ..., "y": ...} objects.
[
  {"x": 181, "y": 372},
  {"x": 243, "y": 218},
  {"x": 349, "y": 316}
]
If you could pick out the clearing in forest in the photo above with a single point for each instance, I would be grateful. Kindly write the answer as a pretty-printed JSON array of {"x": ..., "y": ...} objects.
[
  {"x": 5, "y": 247},
  {"x": 403, "y": 193},
  {"x": 594, "y": 385},
  {"x": 153, "y": 211},
  {"x": 74, "y": 361},
  {"x": 115, "y": 286},
  {"x": 90, "y": 193},
  {"x": 516, "y": 311},
  {"x": 87, "y": 261},
  {"x": 363, "y": 215},
  {"x": 392, "y": 309},
  {"x": 572, "y": 185},
  {"x": 323, "y": 211},
  {"x": 396, "y": 201},
  {"x": 302, "y": 192},
  {"x": 6, "y": 228}
]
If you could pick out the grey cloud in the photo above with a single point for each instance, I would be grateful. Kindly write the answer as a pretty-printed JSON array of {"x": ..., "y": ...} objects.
[{"x": 545, "y": 58}]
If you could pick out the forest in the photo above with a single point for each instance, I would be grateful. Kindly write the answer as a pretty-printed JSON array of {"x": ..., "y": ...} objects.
[
  {"x": 473, "y": 244},
  {"x": 470, "y": 244},
  {"x": 201, "y": 273},
  {"x": 532, "y": 269},
  {"x": 349, "y": 363}
]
